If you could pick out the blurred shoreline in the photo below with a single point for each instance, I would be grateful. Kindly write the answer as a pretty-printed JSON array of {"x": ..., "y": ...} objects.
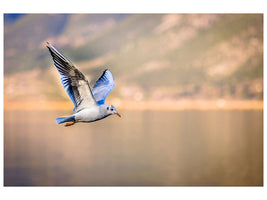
[{"x": 219, "y": 104}]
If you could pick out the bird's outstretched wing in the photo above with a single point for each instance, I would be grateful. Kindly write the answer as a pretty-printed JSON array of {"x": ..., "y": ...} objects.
[
  {"x": 77, "y": 85},
  {"x": 103, "y": 86}
]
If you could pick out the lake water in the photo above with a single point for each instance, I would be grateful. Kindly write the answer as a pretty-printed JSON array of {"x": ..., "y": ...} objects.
[{"x": 143, "y": 148}]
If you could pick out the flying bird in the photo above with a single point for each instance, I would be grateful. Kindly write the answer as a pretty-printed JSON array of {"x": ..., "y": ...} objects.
[{"x": 89, "y": 105}]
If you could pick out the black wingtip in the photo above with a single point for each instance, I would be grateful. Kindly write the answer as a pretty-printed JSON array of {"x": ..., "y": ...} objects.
[
  {"x": 47, "y": 44},
  {"x": 103, "y": 74}
]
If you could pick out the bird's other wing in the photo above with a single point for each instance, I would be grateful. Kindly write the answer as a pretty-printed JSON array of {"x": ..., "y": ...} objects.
[
  {"x": 103, "y": 86},
  {"x": 77, "y": 85}
]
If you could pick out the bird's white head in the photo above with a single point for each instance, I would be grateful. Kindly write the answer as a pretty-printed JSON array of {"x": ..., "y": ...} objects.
[{"x": 110, "y": 110}]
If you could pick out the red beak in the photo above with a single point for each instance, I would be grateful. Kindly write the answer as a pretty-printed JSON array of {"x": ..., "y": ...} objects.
[{"x": 118, "y": 114}]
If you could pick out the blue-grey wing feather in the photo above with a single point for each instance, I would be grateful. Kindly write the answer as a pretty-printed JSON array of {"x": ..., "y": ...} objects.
[
  {"x": 103, "y": 86},
  {"x": 76, "y": 84}
]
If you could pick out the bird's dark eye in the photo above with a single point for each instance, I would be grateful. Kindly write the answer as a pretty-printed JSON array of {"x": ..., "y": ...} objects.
[
  {"x": 111, "y": 109},
  {"x": 107, "y": 108}
]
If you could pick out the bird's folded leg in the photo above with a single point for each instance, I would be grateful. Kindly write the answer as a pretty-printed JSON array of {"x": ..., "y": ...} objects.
[{"x": 69, "y": 123}]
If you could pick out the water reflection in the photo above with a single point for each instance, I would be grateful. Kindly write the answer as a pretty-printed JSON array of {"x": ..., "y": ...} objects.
[{"x": 170, "y": 148}]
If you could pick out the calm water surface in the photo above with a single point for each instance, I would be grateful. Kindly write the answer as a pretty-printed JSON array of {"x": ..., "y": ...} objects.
[{"x": 143, "y": 148}]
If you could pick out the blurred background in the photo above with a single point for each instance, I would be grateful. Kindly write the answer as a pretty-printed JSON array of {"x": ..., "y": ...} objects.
[
  {"x": 152, "y": 57},
  {"x": 189, "y": 88}
]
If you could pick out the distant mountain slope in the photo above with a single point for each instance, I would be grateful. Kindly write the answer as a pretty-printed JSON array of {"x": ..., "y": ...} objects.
[
  {"x": 24, "y": 42},
  {"x": 12, "y": 18},
  {"x": 152, "y": 56},
  {"x": 29, "y": 30}
]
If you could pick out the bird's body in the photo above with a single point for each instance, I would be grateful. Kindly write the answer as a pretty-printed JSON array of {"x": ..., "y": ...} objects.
[
  {"x": 89, "y": 105},
  {"x": 88, "y": 115},
  {"x": 92, "y": 114}
]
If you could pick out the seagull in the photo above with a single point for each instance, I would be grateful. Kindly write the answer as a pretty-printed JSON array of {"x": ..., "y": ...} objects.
[{"x": 89, "y": 105}]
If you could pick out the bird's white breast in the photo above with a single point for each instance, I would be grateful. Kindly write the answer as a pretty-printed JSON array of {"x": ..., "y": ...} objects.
[{"x": 88, "y": 114}]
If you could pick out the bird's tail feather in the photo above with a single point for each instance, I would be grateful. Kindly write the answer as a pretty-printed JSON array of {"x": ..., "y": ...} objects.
[{"x": 61, "y": 120}]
